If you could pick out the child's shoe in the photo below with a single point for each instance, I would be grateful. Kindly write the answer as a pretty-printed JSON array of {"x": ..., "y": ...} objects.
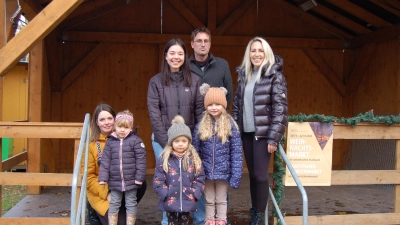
[
  {"x": 209, "y": 222},
  {"x": 220, "y": 222}
]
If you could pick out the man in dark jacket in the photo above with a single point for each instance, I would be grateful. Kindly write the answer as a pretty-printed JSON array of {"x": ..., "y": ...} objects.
[{"x": 212, "y": 70}]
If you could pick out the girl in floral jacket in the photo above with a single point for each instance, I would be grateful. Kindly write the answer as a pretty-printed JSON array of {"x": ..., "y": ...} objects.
[
  {"x": 178, "y": 177},
  {"x": 218, "y": 141}
]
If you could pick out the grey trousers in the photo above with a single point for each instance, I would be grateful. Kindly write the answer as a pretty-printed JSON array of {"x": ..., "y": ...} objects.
[{"x": 130, "y": 201}]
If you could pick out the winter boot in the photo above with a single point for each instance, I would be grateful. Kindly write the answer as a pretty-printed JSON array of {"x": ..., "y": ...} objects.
[
  {"x": 112, "y": 219},
  {"x": 258, "y": 219},
  {"x": 252, "y": 215},
  {"x": 209, "y": 222},
  {"x": 220, "y": 222},
  {"x": 130, "y": 219}
]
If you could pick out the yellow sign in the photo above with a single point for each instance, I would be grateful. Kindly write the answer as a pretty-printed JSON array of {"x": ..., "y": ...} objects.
[{"x": 309, "y": 149}]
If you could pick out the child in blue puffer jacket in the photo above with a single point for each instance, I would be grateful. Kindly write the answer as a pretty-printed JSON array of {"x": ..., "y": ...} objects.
[
  {"x": 179, "y": 176},
  {"x": 218, "y": 141}
]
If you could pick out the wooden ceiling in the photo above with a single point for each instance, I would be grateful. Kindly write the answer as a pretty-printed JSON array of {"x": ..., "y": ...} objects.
[{"x": 350, "y": 20}]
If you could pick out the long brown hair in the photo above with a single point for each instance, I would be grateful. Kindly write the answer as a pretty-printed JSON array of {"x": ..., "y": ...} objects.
[{"x": 94, "y": 129}]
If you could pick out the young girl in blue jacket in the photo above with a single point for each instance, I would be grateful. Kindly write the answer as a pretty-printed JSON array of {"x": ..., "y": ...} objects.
[
  {"x": 179, "y": 176},
  {"x": 218, "y": 141}
]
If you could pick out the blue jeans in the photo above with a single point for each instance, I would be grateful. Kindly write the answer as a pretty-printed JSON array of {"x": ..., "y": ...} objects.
[
  {"x": 157, "y": 148},
  {"x": 200, "y": 214}
]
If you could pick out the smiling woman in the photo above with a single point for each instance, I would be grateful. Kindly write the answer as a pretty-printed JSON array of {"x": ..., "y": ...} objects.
[{"x": 174, "y": 91}]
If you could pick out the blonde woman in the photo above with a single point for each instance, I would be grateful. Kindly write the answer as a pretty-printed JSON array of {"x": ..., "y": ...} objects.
[{"x": 260, "y": 109}]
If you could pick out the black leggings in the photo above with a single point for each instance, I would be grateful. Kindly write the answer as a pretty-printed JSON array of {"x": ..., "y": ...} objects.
[
  {"x": 257, "y": 159},
  {"x": 178, "y": 218}
]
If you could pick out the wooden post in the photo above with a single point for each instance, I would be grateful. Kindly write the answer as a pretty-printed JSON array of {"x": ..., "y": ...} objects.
[
  {"x": 397, "y": 186},
  {"x": 36, "y": 58},
  {"x": 2, "y": 43}
]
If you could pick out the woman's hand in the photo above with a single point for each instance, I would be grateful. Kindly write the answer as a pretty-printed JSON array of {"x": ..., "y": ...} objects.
[
  {"x": 271, "y": 148},
  {"x": 109, "y": 197},
  {"x": 102, "y": 182}
]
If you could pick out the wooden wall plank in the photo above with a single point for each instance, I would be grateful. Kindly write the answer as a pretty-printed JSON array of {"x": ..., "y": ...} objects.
[
  {"x": 325, "y": 70},
  {"x": 36, "y": 221},
  {"x": 212, "y": 16},
  {"x": 397, "y": 187},
  {"x": 368, "y": 131},
  {"x": 294, "y": 10},
  {"x": 53, "y": 50},
  {"x": 36, "y": 30},
  {"x": 361, "y": 66},
  {"x": 40, "y": 130},
  {"x": 339, "y": 19},
  {"x": 349, "y": 219},
  {"x": 381, "y": 35},
  {"x": 188, "y": 15},
  {"x": 365, "y": 177},
  {"x": 388, "y": 6},
  {"x": 143, "y": 38},
  {"x": 361, "y": 13},
  {"x": 84, "y": 64},
  {"x": 241, "y": 9},
  {"x": 13, "y": 161}
]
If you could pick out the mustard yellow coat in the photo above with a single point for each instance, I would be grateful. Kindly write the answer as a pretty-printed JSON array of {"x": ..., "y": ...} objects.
[{"x": 96, "y": 193}]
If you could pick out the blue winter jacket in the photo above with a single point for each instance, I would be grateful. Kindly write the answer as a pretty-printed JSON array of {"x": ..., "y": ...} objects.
[
  {"x": 179, "y": 190},
  {"x": 221, "y": 161}
]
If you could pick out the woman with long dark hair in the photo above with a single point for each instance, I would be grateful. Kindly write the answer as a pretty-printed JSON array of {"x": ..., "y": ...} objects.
[{"x": 173, "y": 91}]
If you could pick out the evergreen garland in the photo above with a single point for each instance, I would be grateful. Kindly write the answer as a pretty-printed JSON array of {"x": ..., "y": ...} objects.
[{"x": 280, "y": 169}]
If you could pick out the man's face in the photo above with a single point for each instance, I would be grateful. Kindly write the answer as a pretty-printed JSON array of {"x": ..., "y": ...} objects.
[{"x": 201, "y": 44}]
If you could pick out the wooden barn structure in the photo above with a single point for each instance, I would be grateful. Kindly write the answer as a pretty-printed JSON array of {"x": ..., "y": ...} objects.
[{"x": 341, "y": 57}]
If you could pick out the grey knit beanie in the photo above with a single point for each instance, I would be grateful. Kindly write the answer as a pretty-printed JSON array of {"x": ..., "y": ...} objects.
[{"x": 177, "y": 129}]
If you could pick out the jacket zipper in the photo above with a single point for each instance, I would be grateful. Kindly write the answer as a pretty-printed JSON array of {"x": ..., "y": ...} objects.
[
  {"x": 120, "y": 165},
  {"x": 213, "y": 158},
  {"x": 180, "y": 183},
  {"x": 177, "y": 92}
]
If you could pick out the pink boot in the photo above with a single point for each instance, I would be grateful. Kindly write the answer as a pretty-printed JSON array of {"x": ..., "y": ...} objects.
[
  {"x": 220, "y": 222},
  {"x": 209, "y": 222}
]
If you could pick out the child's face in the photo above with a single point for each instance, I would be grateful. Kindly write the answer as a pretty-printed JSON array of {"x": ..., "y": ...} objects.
[
  {"x": 215, "y": 110},
  {"x": 180, "y": 144},
  {"x": 122, "y": 131}
]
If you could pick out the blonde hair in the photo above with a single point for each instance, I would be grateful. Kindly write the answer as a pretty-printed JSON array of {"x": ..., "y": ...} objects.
[
  {"x": 268, "y": 59},
  {"x": 223, "y": 127},
  {"x": 190, "y": 153},
  {"x": 125, "y": 119}
]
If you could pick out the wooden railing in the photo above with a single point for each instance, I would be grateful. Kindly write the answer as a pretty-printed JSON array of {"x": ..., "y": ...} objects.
[
  {"x": 362, "y": 177},
  {"x": 33, "y": 177},
  {"x": 73, "y": 131}
]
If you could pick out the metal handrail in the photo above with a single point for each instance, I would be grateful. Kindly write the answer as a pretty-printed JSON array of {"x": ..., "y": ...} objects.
[{"x": 75, "y": 217}]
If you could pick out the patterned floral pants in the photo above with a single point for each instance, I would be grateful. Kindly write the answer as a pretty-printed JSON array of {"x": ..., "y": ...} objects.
[{"x": 178, "y": 218}]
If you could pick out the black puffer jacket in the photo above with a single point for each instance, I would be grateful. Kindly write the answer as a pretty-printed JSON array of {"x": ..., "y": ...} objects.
[
  {"x": 130, "y": 151},
  {"x": 269, "y": 101},
  {"x": 165, "y": 102}
]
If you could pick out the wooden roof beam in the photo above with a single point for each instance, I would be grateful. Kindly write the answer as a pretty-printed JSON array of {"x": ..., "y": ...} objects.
[
  {"x": 361, "y": 66},
  {"x": 325, "y": 70},
  {"x": 88, "y": 6},
  {"x": 384, "y": 34},
  {"x": 240, "y": 10},
  {"x": 34, "y": 32},
  {"x": 84, "y": 64},
  {"x": 189, "y": 16},
  {"x": 394, "y": 3},
  {"x": 312, "y": 19},
  {"x": 339, "y": 19},
  {"x": 34, "y": 5},
  {"x": 142, "y": 38},
  {"x": 360, "y": 13},
  {"x": 85, "y": 15}
]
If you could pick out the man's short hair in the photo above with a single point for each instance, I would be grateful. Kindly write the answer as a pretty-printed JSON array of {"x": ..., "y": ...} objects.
[{"x": 200, "y": 30}]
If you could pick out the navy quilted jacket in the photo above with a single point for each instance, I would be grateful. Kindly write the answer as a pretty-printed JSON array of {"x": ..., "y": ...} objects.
[
  {"x": 221, "y": 161},
  {"x": 123, "y": 162},
  {"x": 179, "y": 190}
]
